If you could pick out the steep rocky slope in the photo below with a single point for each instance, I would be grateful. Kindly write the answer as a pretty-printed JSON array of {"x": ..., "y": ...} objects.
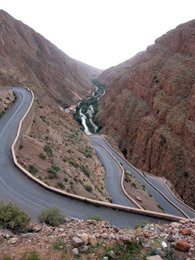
[
  {"x": 6, "y": 99},
  {"x": 91, "y": 71},
  {"x": 148, "y": 108},
  {"x": 27, "y": 58}
]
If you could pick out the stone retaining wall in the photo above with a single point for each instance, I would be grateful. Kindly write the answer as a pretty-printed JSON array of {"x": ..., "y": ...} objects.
[{"x": 24, "y": 126}]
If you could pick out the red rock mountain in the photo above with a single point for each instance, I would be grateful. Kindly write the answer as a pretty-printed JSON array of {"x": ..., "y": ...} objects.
[
  {"x": 149, "y": 108},
  {"x": 27, "y": 58}
]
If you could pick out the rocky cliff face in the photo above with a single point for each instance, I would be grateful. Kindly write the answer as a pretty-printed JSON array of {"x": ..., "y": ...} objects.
[
  {"x": 149, "y": 108},
  {"x": 27, "y": 58}
]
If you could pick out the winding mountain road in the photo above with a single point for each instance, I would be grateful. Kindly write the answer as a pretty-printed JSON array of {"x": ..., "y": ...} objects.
[
  {"x": 168, "y": 207},
  {"x": 113, "y": 177},
  {"x": 15, "y": 186}
]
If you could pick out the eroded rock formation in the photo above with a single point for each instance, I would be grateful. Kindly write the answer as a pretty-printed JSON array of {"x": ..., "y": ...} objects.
[{"x": 149, "y": 108}]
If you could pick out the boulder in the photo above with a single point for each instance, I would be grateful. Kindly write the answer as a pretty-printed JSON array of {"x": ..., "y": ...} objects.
[
  {"x": 85, "y": 248},
  {"x": 104, "y": 235},
  {"x": 112, "y": 254},
  {"x": 93, "y": 240},
  {"x": 138, "y": 231},
  {"x": 85, "y": 238},
  {"x": 13, "y": 240},
  {"x": 75, "y": 251},
  {"x": 185, "y": 231},
  {"x": 182, "y": 245},
  {"x": 76, "y": 241},
  {"x": 115, "y": 229},
  {"x": 174, "y": 225},
  {"x": 37, "y": 228},
  {"x": 154, "y": 257},
  {"x": 145, "y": 234}
]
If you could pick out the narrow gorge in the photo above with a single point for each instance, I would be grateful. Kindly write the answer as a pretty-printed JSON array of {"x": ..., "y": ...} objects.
[{"x": 148, "y": 108}]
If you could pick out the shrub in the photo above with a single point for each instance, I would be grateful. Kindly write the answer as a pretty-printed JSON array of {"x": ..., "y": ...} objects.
[
  {"x": 64, "y": 159},
  {"x": 163, "y": 138},
  {"x": 71, "y": 184},
  {"x": 21, "y": 146},
  {"x": 94, "y": 217},
  {"x": 185, "y": 174},
  {"x": 52, "y": 216},
  {"x": 88, "y": 188},
  {"x": 42, "y": 156},
  {"x": 60, "y": 185},
  {"x": 52, "y": 173},
  {"x": 48, "y": 149},
  {"x": 66, "y": 179},
  {"x": 52, "y": 176},
  {"x": 75, "y": 179},
  {"x": 73, "y": 163},
  {"x": 50, "y": 170},
  {"x": 12, "y": 217},
  {"x": 55, "y": 167},
  {"x": 86, "y": 172},
  {"x": 110, "y": 200},
  {"x": 160, "y": 207},
  {"x": 15, "y": 97},
  {"x": 127, "y": 179},
  {"x": 32, "y": 169},
  {"x": 142, "y": 224},
  {"x": 34, "y": 255},
  {"x": 59, "y": 243}
]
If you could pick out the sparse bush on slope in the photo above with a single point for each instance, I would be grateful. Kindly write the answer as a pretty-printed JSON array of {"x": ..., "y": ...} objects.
[
  {"x": 12, "y": 217},
  {"x": 52, "y": 216}
]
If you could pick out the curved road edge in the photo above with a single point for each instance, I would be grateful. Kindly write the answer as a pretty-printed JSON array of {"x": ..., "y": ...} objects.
[
  {"x": 122, "y": 178},
  {"x": 147, "y": 180},
  {"x": 113, "y": 206},
  {"x": 167, "y": 187}
]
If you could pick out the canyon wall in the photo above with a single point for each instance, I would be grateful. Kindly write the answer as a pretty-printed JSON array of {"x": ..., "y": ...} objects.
[
  {"x": 149, "y": 109},
  {"x": 28, "y": 59}
]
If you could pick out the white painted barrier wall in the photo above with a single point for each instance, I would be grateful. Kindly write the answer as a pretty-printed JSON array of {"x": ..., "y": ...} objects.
[{"x": 24, "y": 126}]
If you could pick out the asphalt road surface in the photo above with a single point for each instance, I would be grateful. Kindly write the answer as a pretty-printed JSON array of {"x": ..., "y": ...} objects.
[
  {"x": 15, "y": 186},
  {"x": 159, "y": 183},
  {"x": 168, "y": 207},
  {"x": 113, "y": 177}
]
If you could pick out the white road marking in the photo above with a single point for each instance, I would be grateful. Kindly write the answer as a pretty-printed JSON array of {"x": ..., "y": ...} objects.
[{"x": 21, "y": 195}]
